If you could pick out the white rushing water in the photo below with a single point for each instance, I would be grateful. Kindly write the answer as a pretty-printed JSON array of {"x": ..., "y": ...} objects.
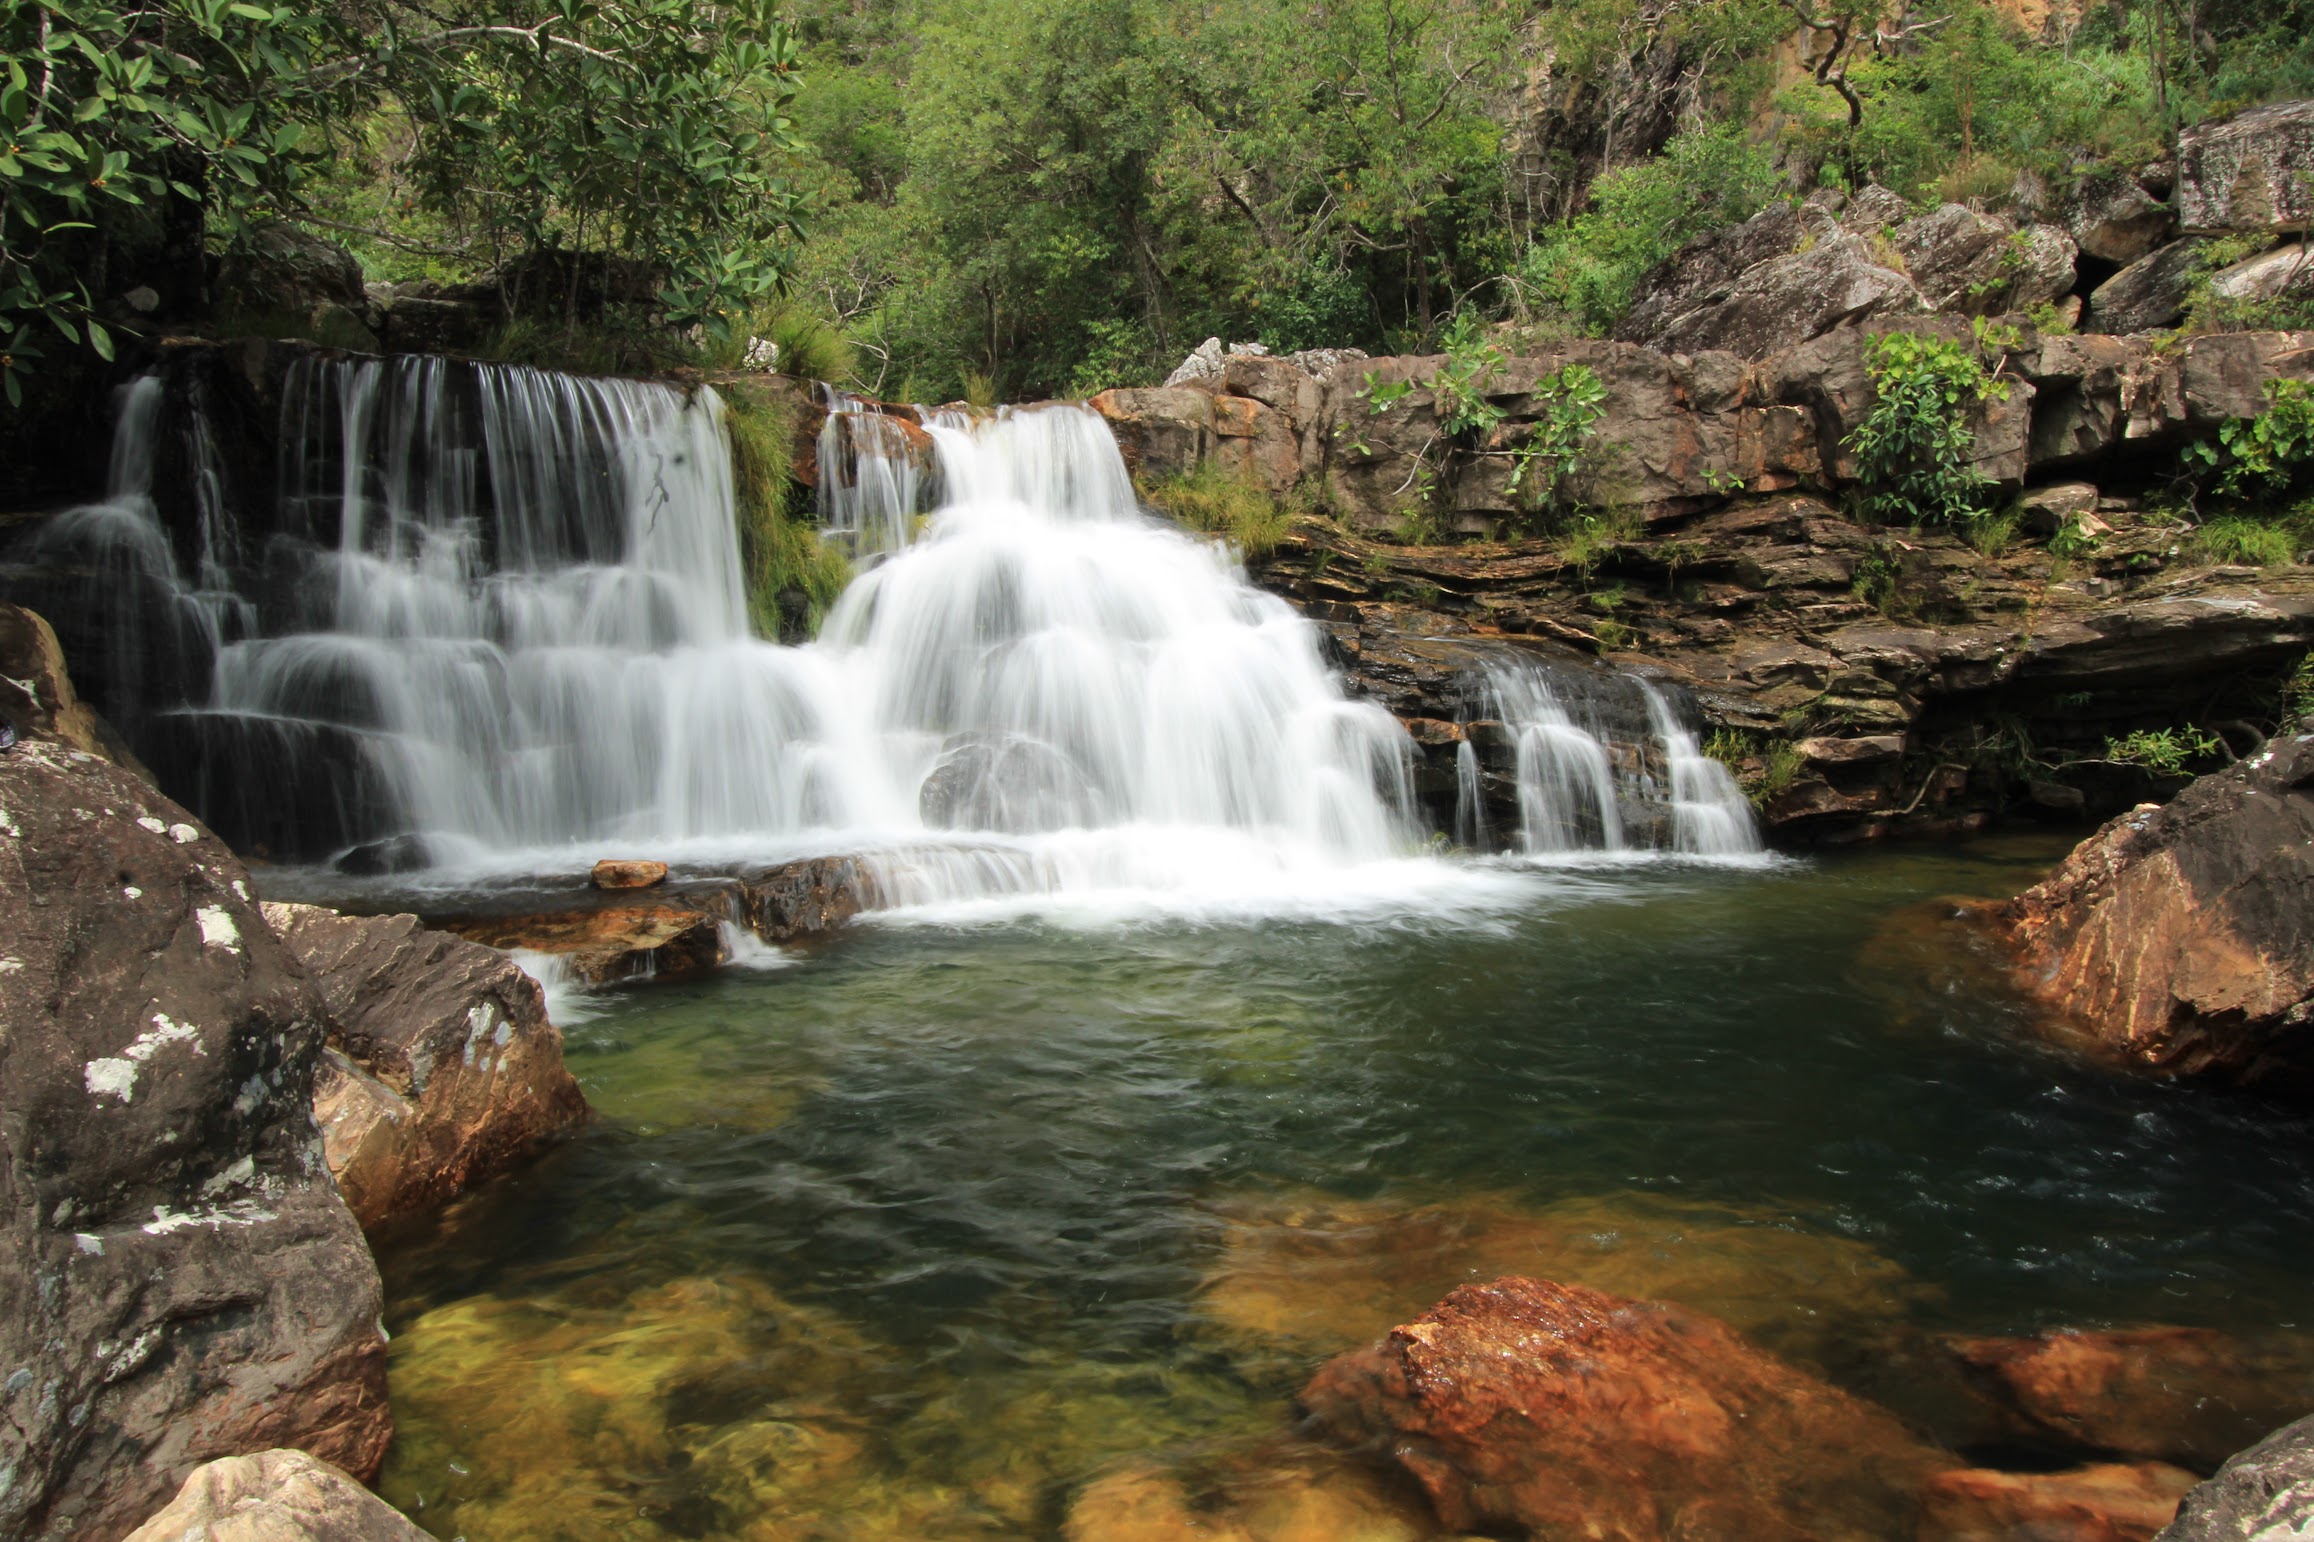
[{"x": 518, "y": 596}]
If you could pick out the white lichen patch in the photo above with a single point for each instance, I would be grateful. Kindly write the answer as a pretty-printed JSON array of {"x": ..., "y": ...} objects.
[
  {"x": 11, "y": 966},
  {"x": 132, "y": 892},
  {"x": 240, "y": 890},
  {"x": 116, "y": 1075},
  {"x": 217, "y": 928},
  {"x": 238, "y": 1175},
  {"x": 9, "y": 826},
  {"x": 242, "y": 1212},
  {"x": 148, "y": 822},
  {"x": 88, "y": 1242},
  {"x": 183, "y": 833}
]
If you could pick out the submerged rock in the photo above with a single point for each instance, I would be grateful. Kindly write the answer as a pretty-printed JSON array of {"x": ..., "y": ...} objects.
[
  {"x": 2111, "y": 1502},
  {"x": 2264, "y": 1494},
  {"x": 182, "y": 1281},
  {"x": 2182, "y": 1395},
  {"x": 2181, "y": 938},
  {"x": 1273, "y": 1491},
  {"x": 275, "y": 1496},
  {"x": 441, "y": 1068},
  {"x": 1524, "y": 1405}
]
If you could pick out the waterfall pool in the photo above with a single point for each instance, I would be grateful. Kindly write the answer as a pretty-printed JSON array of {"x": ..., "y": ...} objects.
[{"x": 933, "y": 1231}]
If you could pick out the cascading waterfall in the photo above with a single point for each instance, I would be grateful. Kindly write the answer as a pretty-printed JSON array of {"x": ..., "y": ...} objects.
[
  {"x": 871, "y": 486},
  {"x": 1610, "y": 770}
]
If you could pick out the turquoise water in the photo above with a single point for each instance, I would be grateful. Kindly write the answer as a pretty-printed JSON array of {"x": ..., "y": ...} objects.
[{"x": 931, "y": 1229}]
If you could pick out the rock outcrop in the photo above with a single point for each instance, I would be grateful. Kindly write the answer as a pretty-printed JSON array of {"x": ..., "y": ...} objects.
[
  {"x": 2253, "y": 171},
  {"x": 36, "y": 694},
  {"x": 2150, "y": 293},
  {"x": 440, "y": 1069},
  {"x": 2264, "y": 1494},
  {"x": 1524, "y": 1406},
  {"x": 275, "y": 1496},
  {"x": 2181, "y": 938},
  {"x": 183, "y": 1280}
]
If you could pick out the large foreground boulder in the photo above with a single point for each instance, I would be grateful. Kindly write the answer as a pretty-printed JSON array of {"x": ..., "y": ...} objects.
[
  {"x": 1525, "y": 1406},
  {"x": 441, "y": 1067},
  {"x": 275, "y": 1496},
  {"x": 2264, "y": 1494},
  {"x": 2181, "y": 938},
  {"x": 179, "y": 1279}
]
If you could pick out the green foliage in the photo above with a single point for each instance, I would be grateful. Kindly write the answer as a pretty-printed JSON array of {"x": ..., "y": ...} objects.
[
  {"x": 1568, "y": 405},
  {"x": 1878, "y": 581},
  {"x": 1912, "y": 450},
  {"x": 2163, "y": 751},
  {"x": 1458, "y": 386},
  {"x": 116, "y": 124},
  {"x": 2297, "y": 702},
  {"x": 1763, "y": 765},
  {"x": 1582, "y": 274},
  {"x": 1223, "y": 502},
  {"x": 2250, "y": 542},
  {"x": 788, "y": 566},
  {"x": 1591, "y": 535},
  {"x": 810, "y": 347},
  {"x": 2262, "y": 454}
]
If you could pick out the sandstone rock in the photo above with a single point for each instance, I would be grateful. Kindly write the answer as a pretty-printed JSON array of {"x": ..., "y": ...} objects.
[
  {"x": 281, "y": 270},
  {"x": 1980, "y": 265},
  {"x": 1162, "y": 432},
  {"x": 806, "y": 899},
  {"x": 2112, "y": 1502},
  {"x": 2078, "y": 409},
  {"x": 2253, "y": 171},
  {"x": 2264, "y": 1494},
  {"x": 2115, "y": 220},
  {"x": 2063, "y": 506},
  {"x": 2182, "y": 938},
  {"x": 1865, "y": 750},
  {"x": 36, "y": 694},
  {"x": 1874, "y": 208},
  {"x": 275, "y": 1496},
  {"x": 2149, "y": 294},
  {"x": 1276, "y": 1491},
  {"x": 1706, "y": 269},
  {"x": 441, "y": 1067},
  {"x": 602, "y": 937},
  {"x": 1784, "y": 302},
  {"x": 1557, "y": 1410},
  {"x": 184, "y": 1281},
  {"x": 620, "y": 873},
  {"x": 2184, "y": 1395}
]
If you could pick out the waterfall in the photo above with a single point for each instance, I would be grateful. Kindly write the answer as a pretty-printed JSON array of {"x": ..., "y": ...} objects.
[
  {"x": 1599, "y": 762},
  {"x": 870, "y": 482}
]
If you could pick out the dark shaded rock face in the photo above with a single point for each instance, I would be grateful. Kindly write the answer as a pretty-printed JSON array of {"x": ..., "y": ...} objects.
[
  {"x": 1528, "y": 1407},
  {"x": 2264, "y": 1494},
  {"x": 36, "y": 694},
  {"x": 2147, "y": 295},
  {"x": 809, "y": 898},
  {"x": 441, "y": 1067},
  {"x": 275, "y": 1496},
  {"x": 2182, "y": 938},
  {"x": 183, "y": 1281}
]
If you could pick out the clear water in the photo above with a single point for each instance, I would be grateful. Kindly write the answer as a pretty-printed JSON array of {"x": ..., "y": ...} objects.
[{"x": 922, "y": 1234}]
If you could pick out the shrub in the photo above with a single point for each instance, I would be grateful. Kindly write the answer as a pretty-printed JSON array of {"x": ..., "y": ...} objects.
[
  {"x": 1569, "y": 403},
  {"x": 1223, "y": 502},
  {"x": 1912, "y": 450},
  {"x": 2266, "y": 453},
  {"x": 2251, "y": 542},
  {"x": 2163, "y": 751},
  {"x": 781, "y": 555}
]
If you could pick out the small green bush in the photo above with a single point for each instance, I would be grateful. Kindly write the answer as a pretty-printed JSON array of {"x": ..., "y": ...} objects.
[
  {"x": 2249, "y": 542},
  {"x": 779, "y": 553},
  {"x": 1912, "y": 450},
  {"x": 1223, "y": 502},
  {"x": 2163, "y": 751},
  {"x": 2266, "y": 453},
  {"x": 1569, "y": 403}
]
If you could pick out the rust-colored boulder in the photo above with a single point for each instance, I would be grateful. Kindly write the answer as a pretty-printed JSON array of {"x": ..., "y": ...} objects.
[
  {"x": 441, "y": 1067},
  {"x": 179, "y": 1279},
  {"x": 36, "y": 694},
  {"x": 1555, "y": 1410},
  {"x": 627, "y": 873},
  {"x": 600, "y": 938},
  {"x": 2181, "y": 938},
  {"x": 275, "y": 1496},
  {"x": 2191, "y": 1396},
  {"x": 2112, "y": 1502}
]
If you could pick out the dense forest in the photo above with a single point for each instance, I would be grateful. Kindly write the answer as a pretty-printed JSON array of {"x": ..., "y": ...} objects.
[{"x": 933, "y": 199}]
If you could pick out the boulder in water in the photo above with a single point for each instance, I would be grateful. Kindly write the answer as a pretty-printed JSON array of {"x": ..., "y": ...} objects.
[
  {"x": 600, "y": 937},
  {"x": 441, "y": 1067},
  {"x": 2108, "y": 1502},
  {"x": 1008, "y": 784},
  {"x": 807, "y": 899},
  {"x": 2263, "y": 1494},
  {"x": 1528, "y": 1406},
  {"x": 2181, "y": 938},
  {"x": 275, "y": 1496},
  {"x": 183, "y": 1281},
  {"x": 627, "y": 873}
]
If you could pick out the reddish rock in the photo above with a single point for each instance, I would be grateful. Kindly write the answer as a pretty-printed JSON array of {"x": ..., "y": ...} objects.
[
  {"x": 617, "y": 873},
  {"x": 36, "y": 693},
  {"x": 181, "y": 1280},
  {"x": 2181, "y": 938},
  {"x": 601, "y": 940},
  {"x": 809, "y": 898},
  {"x": 441, "y": 1067},
  {"x": 2191, "y": 1396},
  {"x": 275, "y": 1496},
  {"x": 1558, "y": 1410},
  {"x": 2115, "y": 1502}
]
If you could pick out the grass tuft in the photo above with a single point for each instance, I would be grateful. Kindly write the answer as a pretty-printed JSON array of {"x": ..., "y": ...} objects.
[{"x": 1226, "y": 503}]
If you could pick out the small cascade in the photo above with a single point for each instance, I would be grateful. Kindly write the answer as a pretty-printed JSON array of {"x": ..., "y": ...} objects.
[
  {"x": 1710, "y": 817},
  {"x": 1594, "y": 761},
  {"x": 871, "y": 478}
]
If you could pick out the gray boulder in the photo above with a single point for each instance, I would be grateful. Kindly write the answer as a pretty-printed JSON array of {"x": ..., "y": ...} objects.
[
  {"x": 1975, "y": 264},
  {"x": 1787, "y": 301},
  {"x": 2149, "y": 294},
  {"x": 2253, "y": 171},
  {"x": 275, "y": 1496},
  {"x": 280, "y": 274},
  {"x": 181, "y": 1280},
  {"x": 2114, "y": 219},
  {"x": 2264, "y": 1494}
]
